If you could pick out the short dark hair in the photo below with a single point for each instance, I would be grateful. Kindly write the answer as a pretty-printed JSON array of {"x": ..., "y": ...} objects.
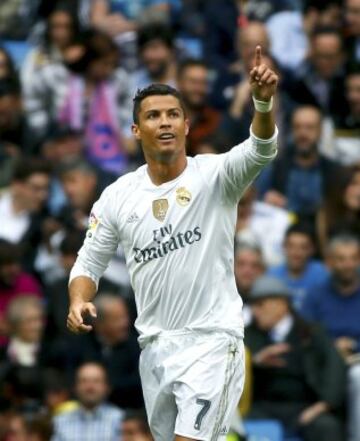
[
  {"x": 72, "y": 242},
  {"x": 319, "y": 5},
  {"x": 326, "y": 30},
  {"x": 152, "y": 90},
  {"x": 25, "y": 168},
  {"x": 155, "y": 31},
  {"x": 301, "y": 228},
  {"x": 140, "y": 417},
  {"x": 191, "y": 62},
  {"x": 10, "y": 86}
]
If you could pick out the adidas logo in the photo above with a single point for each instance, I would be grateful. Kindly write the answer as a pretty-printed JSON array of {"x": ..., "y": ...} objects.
[
  {"x": 224, "y": 430},
  {"x": 132, "y": 218}
]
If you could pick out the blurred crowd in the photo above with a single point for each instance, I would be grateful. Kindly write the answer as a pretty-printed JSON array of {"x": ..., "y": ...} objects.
[{"x": 68, "y": 72}]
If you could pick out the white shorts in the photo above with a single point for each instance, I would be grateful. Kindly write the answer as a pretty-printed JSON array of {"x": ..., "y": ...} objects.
[{"x": 192, "y": 383}]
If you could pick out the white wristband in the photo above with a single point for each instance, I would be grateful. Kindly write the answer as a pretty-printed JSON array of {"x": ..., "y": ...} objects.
[{"x": 263, "y": 106}]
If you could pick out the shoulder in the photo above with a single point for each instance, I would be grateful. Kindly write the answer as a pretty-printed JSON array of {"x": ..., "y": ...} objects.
[
  {"x": 277, "y": 271},
  {"x": 112, "y": 412},
  {"x": 66, "y": 417}
]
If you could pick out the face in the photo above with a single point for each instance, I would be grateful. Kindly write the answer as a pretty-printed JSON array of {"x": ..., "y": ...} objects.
[
  {"x": 194, "y": 86},
  {"x": 298, "y": 250},
  {"x": 32, "y": 192},
  {"x": 16, "y": 430},
  {"x": 64, "y": 148},
  {"x": 60, "y": 29},
  {"x": 344, "y": 261},
  {"x": 162, "y": 128},
  {"x": 91, "y": 385},
  {"x": 102, "y": 68},
  {"x": 353, "y": 93},
  {"x": 326, "y": 54},
  {"x": 4, "y": 65},
  {"x": 9, "y": 273},
  {"x": 115, "y": 324},
  {"x": 248, "y": 267},
  {"x": 156, "y": 56},
  {"x": 306, "y": 126},
  {"x": 352, "y": 16},
  {"x": 132, "y": 431},
  {"x": 251, "y": 36},
  {"x": 30, "y": 328},
  {"x": 79, "y": 187},
  {"x": 268, "y": 312},
  {"x": 10, "y": 111},
  {"x": 352, "y": 193}
]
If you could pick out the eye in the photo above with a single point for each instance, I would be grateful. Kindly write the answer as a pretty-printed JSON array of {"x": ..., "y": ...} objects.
[
  {"x": 151, "y": 116},
  {"x": 175, "y": 114}
]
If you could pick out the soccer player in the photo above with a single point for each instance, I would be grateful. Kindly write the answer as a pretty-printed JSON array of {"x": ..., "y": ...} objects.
[{"x": 175, "y": 219}]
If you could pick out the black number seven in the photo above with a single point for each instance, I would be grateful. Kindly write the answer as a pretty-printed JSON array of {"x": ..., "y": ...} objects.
[{"x": 203, "y": 411}]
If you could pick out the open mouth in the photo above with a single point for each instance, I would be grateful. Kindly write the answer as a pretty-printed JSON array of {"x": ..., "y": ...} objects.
[{"x": 166, "y": 136}]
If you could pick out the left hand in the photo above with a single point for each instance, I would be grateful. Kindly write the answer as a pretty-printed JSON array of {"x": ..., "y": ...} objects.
[
  {"x": 310, "y": 413},
  {"x": 263, "y": 81}
]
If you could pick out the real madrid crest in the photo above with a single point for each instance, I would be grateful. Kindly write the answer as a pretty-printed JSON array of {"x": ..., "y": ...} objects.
[
  {"x": 183, "y": 196},
  {"x": 160, "y": 208}
]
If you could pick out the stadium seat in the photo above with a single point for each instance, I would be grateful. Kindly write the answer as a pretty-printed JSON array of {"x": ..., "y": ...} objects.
[{"x": 264, "y": 430}]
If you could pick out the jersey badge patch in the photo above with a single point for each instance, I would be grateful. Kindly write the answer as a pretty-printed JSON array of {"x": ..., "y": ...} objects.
[
  {"x": 93, "y": 222},
  {"x": 183, "y": 196},
  {"x": 160, "y": 208}
]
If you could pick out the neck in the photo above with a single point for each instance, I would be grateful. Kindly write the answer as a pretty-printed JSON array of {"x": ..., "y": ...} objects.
[
  {"x": 296, "y": 272},
  {"x": 307, "y": 161},
  {"x": 347, "y": 288},
  {"x": 161, "y": 172}
]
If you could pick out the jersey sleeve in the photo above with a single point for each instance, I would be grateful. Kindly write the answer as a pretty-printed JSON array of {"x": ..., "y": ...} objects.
[
  {"x": 243, "y": 163},
  {"x": 101, "y": 241}
]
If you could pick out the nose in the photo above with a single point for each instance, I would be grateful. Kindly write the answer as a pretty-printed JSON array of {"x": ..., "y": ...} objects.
[{"x": 164, "y": 121}]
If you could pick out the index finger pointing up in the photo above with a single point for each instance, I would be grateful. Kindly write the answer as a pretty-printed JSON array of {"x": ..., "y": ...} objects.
[{"x": 257, "y": 56}]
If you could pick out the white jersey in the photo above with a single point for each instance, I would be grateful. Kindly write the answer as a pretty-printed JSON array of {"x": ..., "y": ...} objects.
[{"x": 178, "y": 239}]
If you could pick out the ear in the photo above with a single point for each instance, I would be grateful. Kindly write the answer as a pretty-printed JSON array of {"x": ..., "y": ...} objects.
[
  {"x": 187, "y": 126},
  {"x": 136, "y": 131}
]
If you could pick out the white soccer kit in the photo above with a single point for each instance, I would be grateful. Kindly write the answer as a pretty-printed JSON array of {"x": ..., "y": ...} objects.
[{"x": 178, "y": 241}]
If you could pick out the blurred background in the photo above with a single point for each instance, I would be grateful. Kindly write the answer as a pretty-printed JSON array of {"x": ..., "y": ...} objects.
[{"x": 68, "y": 73}]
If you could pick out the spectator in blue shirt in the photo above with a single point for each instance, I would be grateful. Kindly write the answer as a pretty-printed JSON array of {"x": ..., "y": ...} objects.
[
  {"x": 336, "y": 305},
  {"x": 302, "y": 176},
  {"x": 94, "y": 419},
  {"x": 301, "y": 272}
]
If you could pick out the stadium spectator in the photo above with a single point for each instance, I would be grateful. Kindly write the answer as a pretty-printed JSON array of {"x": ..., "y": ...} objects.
[
  {"x": 298, "y": 376},
  {"x": 39, "y": 429},
  {"x": 22, "y": 206},
  {"x": 14, "y": 130},
  {"x": 135, "y": 427},
  {"x": 120, "y": 19},
  {"x": 301, "y": 272},
  {"x": 301, "y": 176},
  {"x": 255, "y": 220},
  {"x": 60, "y": 32},
  {"x": 319, "y": 80},
  {"x": 229, "y": 83},
  {"x": 14, "y": 282},
  {"x": 7, "y": 68},
  {"x": 156, "y": 49},
  {"x": 91, "y": 94},
  {"x": 249, "y": 266},
  {"x": 16, "y": 428},
  {"x": 114, "y": 345},
  {"x": 193, "y": 84},
  {"x": 23, "y": 359},
  {"x": 352, "y": 17},
  {"x": 344, "y": 143},
  {"x": 290, "y": 52},
  {"x": 336, "y": 306},
  {"x": 341, "y": 210},
  {"x": 221, "y": 24},
  {"x": 94, "y": 419}
]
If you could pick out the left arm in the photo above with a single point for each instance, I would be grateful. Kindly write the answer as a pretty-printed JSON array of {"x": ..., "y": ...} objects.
[{"x": 244, "y": 162}]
